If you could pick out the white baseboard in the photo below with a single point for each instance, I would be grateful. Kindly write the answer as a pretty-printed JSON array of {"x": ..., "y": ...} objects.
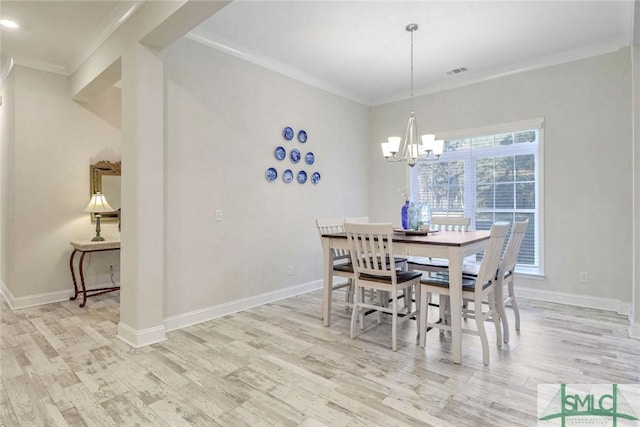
[
  {"x": 16, "y": 303},
  {"x": 634, "y": 331},
  {"x": 607, "y": 304},
  {"x": 198, "y": 316},
  {"x": 137, "y": 339}
]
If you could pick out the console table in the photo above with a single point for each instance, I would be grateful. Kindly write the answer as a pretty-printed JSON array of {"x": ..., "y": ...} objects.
[{"x": 84, "y": 247}]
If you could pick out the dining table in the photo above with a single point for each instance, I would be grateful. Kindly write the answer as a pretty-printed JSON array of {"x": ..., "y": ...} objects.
[{"x": 453, "y": 246}]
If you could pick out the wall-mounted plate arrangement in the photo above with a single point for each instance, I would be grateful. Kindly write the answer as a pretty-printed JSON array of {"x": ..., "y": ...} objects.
[
  {"x": 280, "y": 153},
  {"x": 295, "y": 155},
  {"x": 310, "y": 158},
  {"x": 271, "y": 174},
  {"x": 302, "y": 136},
  {"x": 287, "y": 133},
  {"x": 315, "y": 178}
]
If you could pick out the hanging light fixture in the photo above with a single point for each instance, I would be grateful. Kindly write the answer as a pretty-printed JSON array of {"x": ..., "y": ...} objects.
[{"x": 411, "y": 148}]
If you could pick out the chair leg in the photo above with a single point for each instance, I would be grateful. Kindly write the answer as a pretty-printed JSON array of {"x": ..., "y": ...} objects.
[
  {"x": 382, "y": 296},
  {"x": 355, "y": 312},
  {"x": 482, "y": 332},
  {"x": 394, "y": 322},
  {"x": 424, "y": 315},
  {"x": 361, "y": 311},
  {"x": 348, "y": 297},
  {"x": 514, "y": 304},
  {"x": 497, "y": 312}
]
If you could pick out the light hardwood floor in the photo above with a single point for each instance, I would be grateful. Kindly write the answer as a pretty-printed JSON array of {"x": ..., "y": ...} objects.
[{"x": 277, "y": 365}]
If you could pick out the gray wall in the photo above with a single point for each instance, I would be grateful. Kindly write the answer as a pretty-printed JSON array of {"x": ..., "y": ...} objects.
[
  {"x": 586, "y": 105},
  {"x": 224, "y": 120},
  {"x": 53, "y": 143}
]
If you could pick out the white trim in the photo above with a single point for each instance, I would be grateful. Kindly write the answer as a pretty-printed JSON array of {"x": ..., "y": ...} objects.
[
  {"x": 203, "y": 37},
  {"x": 198, "y": 316},
  {"x": 634, "y": 331},
  {"x": 587, "y": 301},
  {"x": 142, "y": 338},
  {"x": 16, "y": 303}
]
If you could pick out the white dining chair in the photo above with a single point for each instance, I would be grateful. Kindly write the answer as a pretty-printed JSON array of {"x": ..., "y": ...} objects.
[
  {"x": 505, "y": 277},
  {"x": 438, "y": 265},
  {"x": 371, "y": 247},
  {"x": 435, "y": 264},
  {"x": 342, "y": 266},
  {"x": 401, "y": 262},
  {"x": 478, "y": 289}
]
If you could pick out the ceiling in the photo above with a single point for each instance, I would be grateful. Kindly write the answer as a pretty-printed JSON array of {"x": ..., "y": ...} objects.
[{"x": 358, "y": 49}]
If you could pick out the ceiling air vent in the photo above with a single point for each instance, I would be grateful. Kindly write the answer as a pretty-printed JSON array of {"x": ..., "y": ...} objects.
[{"x": 457, "y": 71}]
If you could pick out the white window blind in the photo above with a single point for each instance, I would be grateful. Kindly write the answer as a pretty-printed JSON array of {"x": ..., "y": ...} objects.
[{"x": 489, "y": 175}]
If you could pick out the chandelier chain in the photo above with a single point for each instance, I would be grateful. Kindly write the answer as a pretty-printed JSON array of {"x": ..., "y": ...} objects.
[{"x": 412, "y": 70}]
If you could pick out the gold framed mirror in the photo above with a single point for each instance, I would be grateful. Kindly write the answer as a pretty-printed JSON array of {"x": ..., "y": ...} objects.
[{"x": 105, "y": 178}]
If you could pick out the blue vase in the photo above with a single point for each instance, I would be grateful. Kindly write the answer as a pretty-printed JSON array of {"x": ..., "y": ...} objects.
[{"x": 404, "y": 214}]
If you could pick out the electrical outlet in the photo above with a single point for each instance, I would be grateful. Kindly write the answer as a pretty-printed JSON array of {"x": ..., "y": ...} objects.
[
  {"x": 290, "y": 272},
  {"x": 218, "y": 215},
  {"x": 584, "y": 277}
]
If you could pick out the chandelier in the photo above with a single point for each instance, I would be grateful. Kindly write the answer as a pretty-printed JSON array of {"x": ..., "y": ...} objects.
[{"x": 411, "y": 148}]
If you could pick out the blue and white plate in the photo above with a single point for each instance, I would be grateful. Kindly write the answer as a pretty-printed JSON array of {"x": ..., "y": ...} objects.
[
  {"x": 310, "y": 158},
  {"x": 315, "y": 178},
  {"x": 287, "y": 133},
  {"x": 271, "y": 174},
  {"x": 302, "y": 136},
  {"x": 302, "y": 177},
  {"x": 280, "y": 153},
  {"x": 295, "y": 155},
  {"x": 287, "y": 176}
]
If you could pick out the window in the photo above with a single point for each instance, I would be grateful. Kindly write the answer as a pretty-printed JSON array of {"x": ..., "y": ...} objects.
[{"x": 490, "y": 174}]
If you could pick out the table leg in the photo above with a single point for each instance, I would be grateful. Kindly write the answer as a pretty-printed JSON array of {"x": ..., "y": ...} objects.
[
  {"x": 327, "y": 282},
  {"x": 424, "y": 308},
  {"x": 84, "y": 289},
  {"x": 73, "y": 276},
  {"x": 455, "y": 288}
]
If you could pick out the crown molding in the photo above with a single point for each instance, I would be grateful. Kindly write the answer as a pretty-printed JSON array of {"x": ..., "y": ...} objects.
[{"x": 228, "y": 47}]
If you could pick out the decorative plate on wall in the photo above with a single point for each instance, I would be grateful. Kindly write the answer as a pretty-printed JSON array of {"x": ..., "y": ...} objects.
[
  {"x": 295, "y": 155},
  {"x": 315, "y": 178},
  {"x": 287, "y": 133},
  {"x": 310, "y": 158},
  {"x": 280, "y": 153},
  {"x": 302, "y": 177},
  {"x": 271, "y": 174},
  {"x": 287, "y": 176},
  {"x": 302, "y": 136}
]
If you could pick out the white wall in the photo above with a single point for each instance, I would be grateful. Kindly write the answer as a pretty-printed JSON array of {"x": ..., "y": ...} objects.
[
  {"x": 224, "y": 120},
  {"x": 7, "y": 113},
  {"x": 587, "y": 161},
  {"x": 55, "y": 141}
]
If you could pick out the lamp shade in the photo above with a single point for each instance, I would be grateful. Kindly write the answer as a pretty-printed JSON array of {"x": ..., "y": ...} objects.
[{"x": 98, "y": 204}]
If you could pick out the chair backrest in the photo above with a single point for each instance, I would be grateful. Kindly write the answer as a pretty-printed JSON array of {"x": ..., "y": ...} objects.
[
  {"x": 371, "y": 247},
  {"x": 333, "y": 225},
  {"x": 454, "y": 223},
  {"x": 510, "y": 256},
  {"x": 492, "y": 254},
  {"x": 357, "y": 219}
]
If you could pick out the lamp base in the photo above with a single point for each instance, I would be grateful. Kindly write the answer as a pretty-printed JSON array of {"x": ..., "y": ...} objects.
[{"x": 97, "y": 239}]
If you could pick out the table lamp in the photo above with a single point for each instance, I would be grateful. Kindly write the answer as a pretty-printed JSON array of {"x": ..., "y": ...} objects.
[{"x": 97, "y": 205}]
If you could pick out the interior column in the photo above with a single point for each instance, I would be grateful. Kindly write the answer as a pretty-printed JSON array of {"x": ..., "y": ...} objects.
[{"x": 142, "y": 236}]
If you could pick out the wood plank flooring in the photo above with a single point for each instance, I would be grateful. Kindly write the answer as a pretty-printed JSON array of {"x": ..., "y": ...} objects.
[{"x": 277, "y": 365}]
